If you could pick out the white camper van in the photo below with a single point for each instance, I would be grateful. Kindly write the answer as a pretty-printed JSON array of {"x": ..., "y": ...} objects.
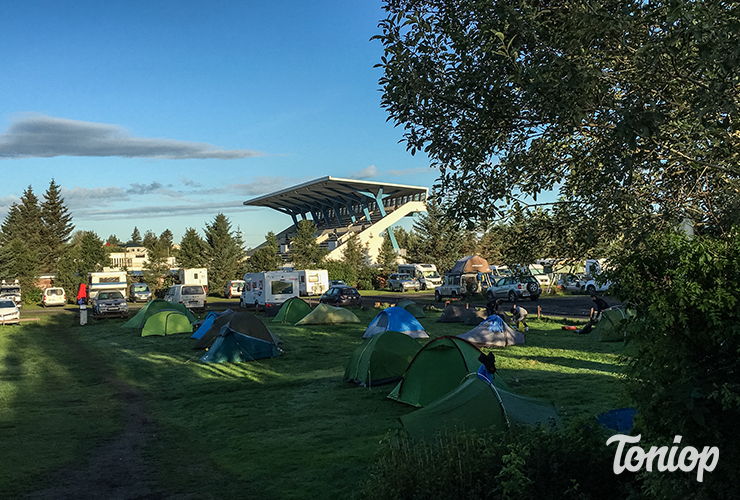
[
  {"x": 426, "y": 274},
  {"x": 313, "y": 281},
  {"x": 113, "y": 280},
  {"x": 269, "y": 290},
  {"x": 195, "y": 276}
]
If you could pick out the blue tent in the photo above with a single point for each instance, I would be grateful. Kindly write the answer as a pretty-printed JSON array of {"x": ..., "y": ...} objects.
[
  {"x": 234, "y": 347},
  {"x": 207, "y": 323},
  {"x": 396, "y": 319}
]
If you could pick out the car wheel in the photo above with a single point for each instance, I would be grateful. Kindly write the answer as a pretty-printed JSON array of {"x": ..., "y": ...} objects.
[
  {"x": 437, "y": 297},
  {"x": 532, "y": 287},
  {"x": 424, "y": 286},
  {"x": 512, "y": 297},
  {"x": 591, "y": 290}
]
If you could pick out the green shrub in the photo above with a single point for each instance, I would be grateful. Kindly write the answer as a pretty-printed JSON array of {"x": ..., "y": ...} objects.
[
  {"x": 526, "y": 463},
  {"x": 32, "y": 296}
]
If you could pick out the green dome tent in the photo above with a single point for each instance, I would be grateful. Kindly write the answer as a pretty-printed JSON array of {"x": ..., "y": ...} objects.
[
  {"x": 412, "y": 307},
  {"x": 292, "y": 311},
  {"x": 234, "y": 347},
  {"x": 437, "y": 369},
  {"x": 242, "y": 322},
  {"x": 151, "y": 308},
  {"x": 166, "y": 322},
  {"x": 477, "y": 405},
  {"x": 381, "y": 359},
  {"x": 328, "y": 315},
  {"x": 611, "y": 326}
]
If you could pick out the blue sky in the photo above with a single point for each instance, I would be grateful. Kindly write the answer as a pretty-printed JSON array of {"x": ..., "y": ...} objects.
[{"x": 162, "y": 114}]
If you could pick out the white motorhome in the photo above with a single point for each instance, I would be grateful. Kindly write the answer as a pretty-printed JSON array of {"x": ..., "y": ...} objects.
[
  {"x": 426, "y": 274},
  {"x": 312, "y": 281},
  {"x": 195, "y": 276},
  {"x": 113, "y": 280},
  {"x": 269, "y": 290}
]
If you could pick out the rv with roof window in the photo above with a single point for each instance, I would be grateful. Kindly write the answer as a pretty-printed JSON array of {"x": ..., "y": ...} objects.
[{"x": 269, "y": 290}]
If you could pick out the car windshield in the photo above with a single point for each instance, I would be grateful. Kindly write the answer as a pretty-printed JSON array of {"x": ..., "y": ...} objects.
[
  {"x": 10, "y": 290},
  {"x": 431, "y": 274},
  {"x": 404, "y": 276},
  {"x": 54, "y": 291},
  {"x": 528, "y": 279},
  {"x": 143, "y": 287},
  {"x": 110, "y": 296},
  {"x": 7, "y": 303},
  {"x": 192, "y": 290}
]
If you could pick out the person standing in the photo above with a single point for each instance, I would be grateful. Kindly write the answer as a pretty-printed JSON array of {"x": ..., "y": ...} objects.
[
  {"x": 601, "y": 306},
  {"x": 520, "y": 315}
]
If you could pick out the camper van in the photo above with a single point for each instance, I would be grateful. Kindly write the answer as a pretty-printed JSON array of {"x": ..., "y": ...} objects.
[
  {"x": 109, "y": 281},
  {"x": 426, "y": 274},
  {"x": 269, "y": 290},
  {"x": 195, "y": 276},
  {"x": 312, "y": 281},
  {"x": 469, "y": 276}
]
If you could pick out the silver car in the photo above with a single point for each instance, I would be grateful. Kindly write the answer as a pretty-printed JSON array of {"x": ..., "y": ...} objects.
[
  {"x": 402, "y": 282},
  {"x": 512, "y": 288},
  {"x": 109, "y": 303}
]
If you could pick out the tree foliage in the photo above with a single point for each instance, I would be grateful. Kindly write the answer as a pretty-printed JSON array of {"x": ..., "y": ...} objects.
[
  {"x": 225, "y": 252},
  {"x": 628, "y": 109},
  {"x": 438, "y": 240},
  {"x": 56, "y": 227},
  {"x": 193, "y": 249},
  {"x": 304, "y": 251},
  {"x": 135, "y": 237},
  {"x": 265, "y": 258}
]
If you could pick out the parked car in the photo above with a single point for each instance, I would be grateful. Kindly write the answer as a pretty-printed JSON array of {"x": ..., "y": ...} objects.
[
  {"x": 139, "y": 292},
  {"x": 342, "y": 295},
  {"x": 401, "y": 282},
  {"x": 513, "y": 288},
  {"x": 191, "y": 296},
  {"x": 570, "y": 282},
  {"x": 337, "y": 283},
  {"x": 109, "y": 303},
  {"x": 54, "y": 296},
  {"x": 582, "y": 283},
  {"x": 9, "y": 312},
  {"x": 233, "y": 289},
  {"x": 11, "y": 291}
]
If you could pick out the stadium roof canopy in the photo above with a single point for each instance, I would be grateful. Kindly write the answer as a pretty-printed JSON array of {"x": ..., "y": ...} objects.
[{"x": 326, "y": 195}]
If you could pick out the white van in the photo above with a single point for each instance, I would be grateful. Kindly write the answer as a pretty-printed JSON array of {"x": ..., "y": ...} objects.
[
  {"x": 54, "y": 296},
  {"x": 191, "y": 296}
]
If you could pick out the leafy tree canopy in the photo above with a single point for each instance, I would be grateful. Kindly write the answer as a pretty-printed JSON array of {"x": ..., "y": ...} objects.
[{"x": 628, "y": 109}]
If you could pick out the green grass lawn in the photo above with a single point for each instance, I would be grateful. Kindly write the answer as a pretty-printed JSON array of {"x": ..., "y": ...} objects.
[{"x": 283, "y": 428}]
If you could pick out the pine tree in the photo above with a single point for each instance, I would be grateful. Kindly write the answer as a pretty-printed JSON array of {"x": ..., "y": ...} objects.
[
  {"x": 353, "y": 253},
  {"x": 439, "y": 242},
  {"x": 387, "y": 257},
  {"x": 84, "y": 254},
  {"x": 265, "y": 258},
  {"x": 225, "y": 252},
  {"x": 150, "y": 239},
  {"x": 155, "y": 266},
  {"x": 305, "y": 252},
  {"x": 193, "y": 250},
  {"x": 135, "y": 237},
  {"x": 57, "y": 227}
]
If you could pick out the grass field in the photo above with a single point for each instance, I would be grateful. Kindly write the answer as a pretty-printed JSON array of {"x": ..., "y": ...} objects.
[{"x": 283, "y": 428}]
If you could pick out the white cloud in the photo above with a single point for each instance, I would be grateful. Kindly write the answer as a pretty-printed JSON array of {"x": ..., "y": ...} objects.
[
  {"x": 365, "y": 173},
  {"x": 41, "y": 136},
  {"x": 410, "y": 171},
  {"x": 152, "y": 212}
]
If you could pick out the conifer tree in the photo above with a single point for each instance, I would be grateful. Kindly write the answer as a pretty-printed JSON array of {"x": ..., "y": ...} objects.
[
  {"x": 264, "y": 258},
  {"x": 57, "y": 227},
  {"x": 193, "y": 250},
  {"x": 305, "y": 252},
  {"x": 136, "y": 237},
  {"x": 150, "y": 239},
  {"x": 225, "y": 252}
]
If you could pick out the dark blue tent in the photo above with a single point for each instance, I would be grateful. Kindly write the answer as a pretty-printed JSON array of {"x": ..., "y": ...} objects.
[
  {"x": 396, "y": 319},
  {"x": 234, "y": 347}
]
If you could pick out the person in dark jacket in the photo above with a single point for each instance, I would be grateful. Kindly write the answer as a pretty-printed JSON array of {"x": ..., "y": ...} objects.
[
  {"x": 600, "y": 306},
  {"x": 519, "y": 315}
]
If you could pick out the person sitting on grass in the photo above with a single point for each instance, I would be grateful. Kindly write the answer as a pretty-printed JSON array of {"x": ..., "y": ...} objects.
[{"x": 520, "y": 314}]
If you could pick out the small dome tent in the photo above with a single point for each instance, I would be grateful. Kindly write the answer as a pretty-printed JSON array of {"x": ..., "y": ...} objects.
[
  {"x": 396, "y": 319},
  {"x": 234, "y": 347},
  {"x": 437, "y": 369},
  {"x": 493, "y": 332},
  {"x": 611, "y": 325},
  {"x": 328, "y": 315},
  {"x": 166, "y": 322},
  {"x": 292, "y": 311},
  {"x": 241, "y": 322},
  {"x": 381, "y": 359},
  {"x": 151, "y": 308},
  {"x": 412, "y": 307}
]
